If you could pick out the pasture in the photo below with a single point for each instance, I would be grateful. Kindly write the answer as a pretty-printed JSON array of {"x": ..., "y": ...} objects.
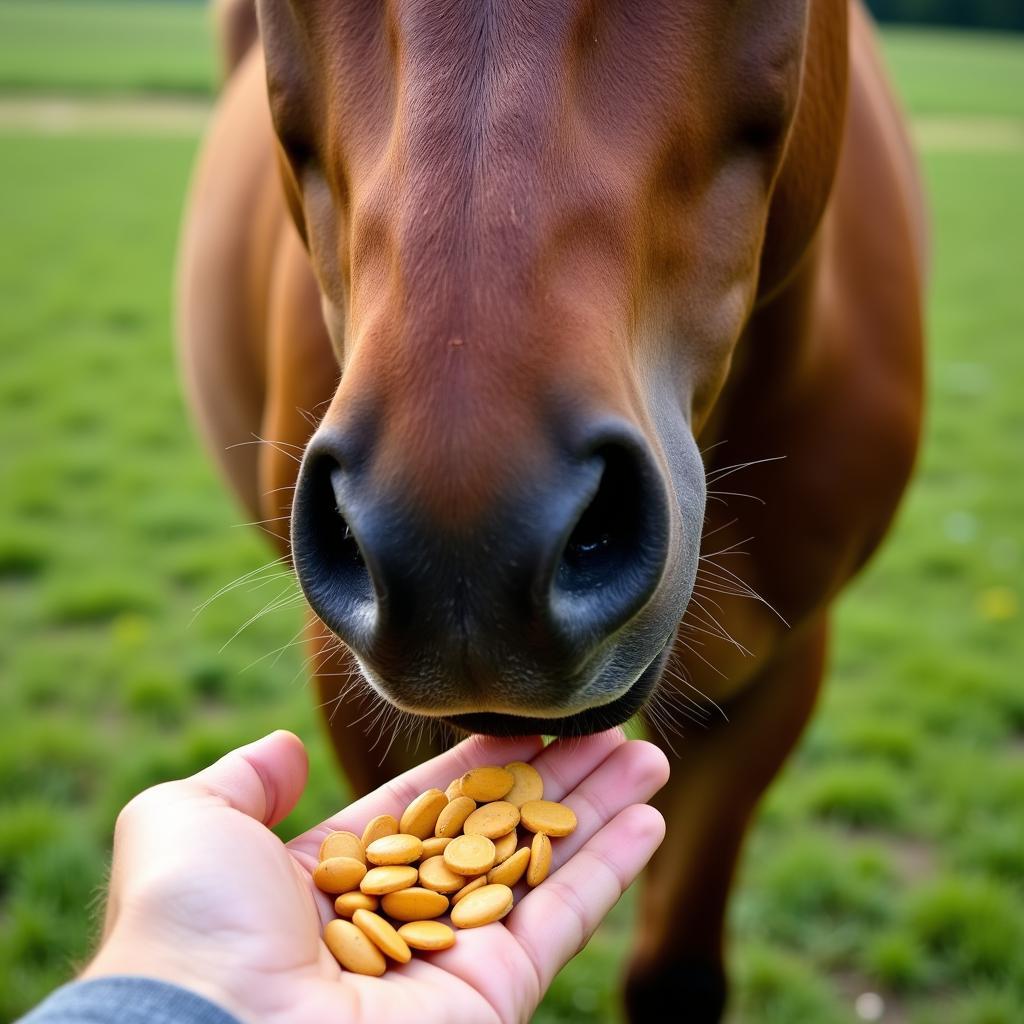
[{"x": 890, "y": 858}]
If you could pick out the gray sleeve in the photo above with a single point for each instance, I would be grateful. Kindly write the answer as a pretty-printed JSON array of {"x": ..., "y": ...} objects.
[{"x": 126, "y": 1000}]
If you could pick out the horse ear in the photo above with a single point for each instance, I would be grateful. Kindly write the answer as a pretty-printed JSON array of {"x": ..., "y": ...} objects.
[
  {"x": 292, "y": 194},
  {"x": 765, "y": 48},
  {"x": 806, "y": 174},
  {"x": 293, "y": 100},
  {"x": 289, "y": 58}
]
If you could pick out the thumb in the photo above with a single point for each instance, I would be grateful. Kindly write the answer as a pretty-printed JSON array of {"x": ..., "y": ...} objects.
[{"x": 263, "y": 779}]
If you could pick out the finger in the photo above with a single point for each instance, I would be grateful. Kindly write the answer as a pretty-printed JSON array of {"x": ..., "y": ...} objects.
[
  {"x": 263, "y": 779},
  {"x": 631, "y": 774},
  {"x": 393, "y": 797},
  {"x": 554, "y": 921},
  {"x": 564, "y": 763}
]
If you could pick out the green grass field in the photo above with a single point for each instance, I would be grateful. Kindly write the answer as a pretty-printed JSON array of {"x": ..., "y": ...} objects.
[
  {"x": 106, "y": 46},
  {"x": 889, "y": 858},
  {"x": 116, "y": 46}
]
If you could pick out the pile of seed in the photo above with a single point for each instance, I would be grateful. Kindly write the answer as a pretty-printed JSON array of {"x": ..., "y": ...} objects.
[{"x": 455, "y": 852}]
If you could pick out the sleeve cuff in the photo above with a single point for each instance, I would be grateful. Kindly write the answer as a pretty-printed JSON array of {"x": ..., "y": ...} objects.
[{"x": 126, "y": 1000}]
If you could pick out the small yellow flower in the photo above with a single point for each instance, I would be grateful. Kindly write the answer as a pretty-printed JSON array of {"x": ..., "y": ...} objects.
[
  {"x": 130, "y": 630},
  {"x": 998, "y": 604}
]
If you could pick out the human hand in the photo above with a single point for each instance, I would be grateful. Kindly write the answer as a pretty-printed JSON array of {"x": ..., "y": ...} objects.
[{"x": 204, "y": 895}]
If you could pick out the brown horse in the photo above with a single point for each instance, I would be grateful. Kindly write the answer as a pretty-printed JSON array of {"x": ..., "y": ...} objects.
[{"x": 547, "y": 274}]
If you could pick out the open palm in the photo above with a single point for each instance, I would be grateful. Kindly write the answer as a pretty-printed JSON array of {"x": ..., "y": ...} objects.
[{"x": 203, "y": 894}]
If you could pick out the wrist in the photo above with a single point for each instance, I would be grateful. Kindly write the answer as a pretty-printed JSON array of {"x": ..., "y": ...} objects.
[{"x": 140, "y": 956}]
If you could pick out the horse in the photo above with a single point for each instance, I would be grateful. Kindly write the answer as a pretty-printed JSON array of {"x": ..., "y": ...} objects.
[{"x": 587, "y": 340}]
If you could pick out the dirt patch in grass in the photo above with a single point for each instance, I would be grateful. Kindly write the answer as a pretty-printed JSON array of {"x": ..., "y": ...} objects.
[
  {"x": 916, "y": 860},
  {"x": 186, "y": 115},
  {"x": 970, "y": 134},
  {"x": 72, "y": 115}
]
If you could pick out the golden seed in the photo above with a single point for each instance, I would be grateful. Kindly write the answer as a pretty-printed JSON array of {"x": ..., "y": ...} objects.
[
  {"x": 489, "y": 903},
  {"x": 510, "y": 871},
  {"x": 505, "y": 846},
  {"x": 397, "y": 849},
  {"x": 486, "y": 784},
  {"x": 338, "y": 874},
  {"x": 391, "y": 878},
  {"x": 342, "y": 844},
  {"x": 477, "y": 883},
  {"x": 414, "y": 904},
  {"x": 528, "y": 784},
  {"x": 451, "y": 819},
  {"x": 493, "y": 820},
  {"x": 435, "y": 874},
  {"x": 540, "y": 860},
  {"x": 546, "y": 816},
  {"x": 383, "y": 935},
  {"x": 434, "y": 846},
  {"x": 420, "y": 817},
  {"x": 349, "y": 902},
  {"x": 352, "y": 949},
  {"x": 470, "y": 855},
  {"x": 377, "y": 828},
  {"x": 427, "y": 935}
]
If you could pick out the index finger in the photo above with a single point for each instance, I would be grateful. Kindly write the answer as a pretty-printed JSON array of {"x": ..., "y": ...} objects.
[{"x": 394, "y": 796}]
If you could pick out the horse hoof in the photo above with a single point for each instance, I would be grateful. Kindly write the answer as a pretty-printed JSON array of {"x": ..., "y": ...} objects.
[{"x": 697, "y": 988}]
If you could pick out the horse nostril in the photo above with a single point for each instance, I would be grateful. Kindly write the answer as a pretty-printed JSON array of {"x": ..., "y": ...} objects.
[
  {"x": 607, "y": 533},
  {"x": 330, "y": 562},
  {"x": 346, "y": 547},
  {"x": 614, "y": 557},
  {"x": 339, "y": 548}
]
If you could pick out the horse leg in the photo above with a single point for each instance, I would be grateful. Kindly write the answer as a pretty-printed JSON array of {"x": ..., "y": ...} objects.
[{"x": 717, "y": 779}]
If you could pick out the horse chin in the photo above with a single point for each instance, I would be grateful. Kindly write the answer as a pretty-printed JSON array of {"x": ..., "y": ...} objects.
[{"x": 582, "y": 723}]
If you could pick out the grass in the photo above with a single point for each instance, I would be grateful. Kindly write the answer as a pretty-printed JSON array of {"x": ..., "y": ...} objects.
[
  {"x": 940, "y": 71},
  {"x": 106, "y": 46},
  {"x": 890, "y": 855},
  {"x": 123, "y": 46}
]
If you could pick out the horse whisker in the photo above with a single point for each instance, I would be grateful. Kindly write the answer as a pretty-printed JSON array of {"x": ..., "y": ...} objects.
[
  {"x": 720, "y": 474},
  {"x": 737, "y": 494},
  {"x": 244, "y": 578}
]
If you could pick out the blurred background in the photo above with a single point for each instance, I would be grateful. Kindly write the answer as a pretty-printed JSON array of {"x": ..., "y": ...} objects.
[{"x": 888, "y": 860}]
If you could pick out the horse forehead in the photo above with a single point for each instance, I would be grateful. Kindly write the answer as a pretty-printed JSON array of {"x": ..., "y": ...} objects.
[
  {"x": 491, "y": 73},
  {"x": 505, "y": 54},
  {"x": 474, "y": 32}
]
